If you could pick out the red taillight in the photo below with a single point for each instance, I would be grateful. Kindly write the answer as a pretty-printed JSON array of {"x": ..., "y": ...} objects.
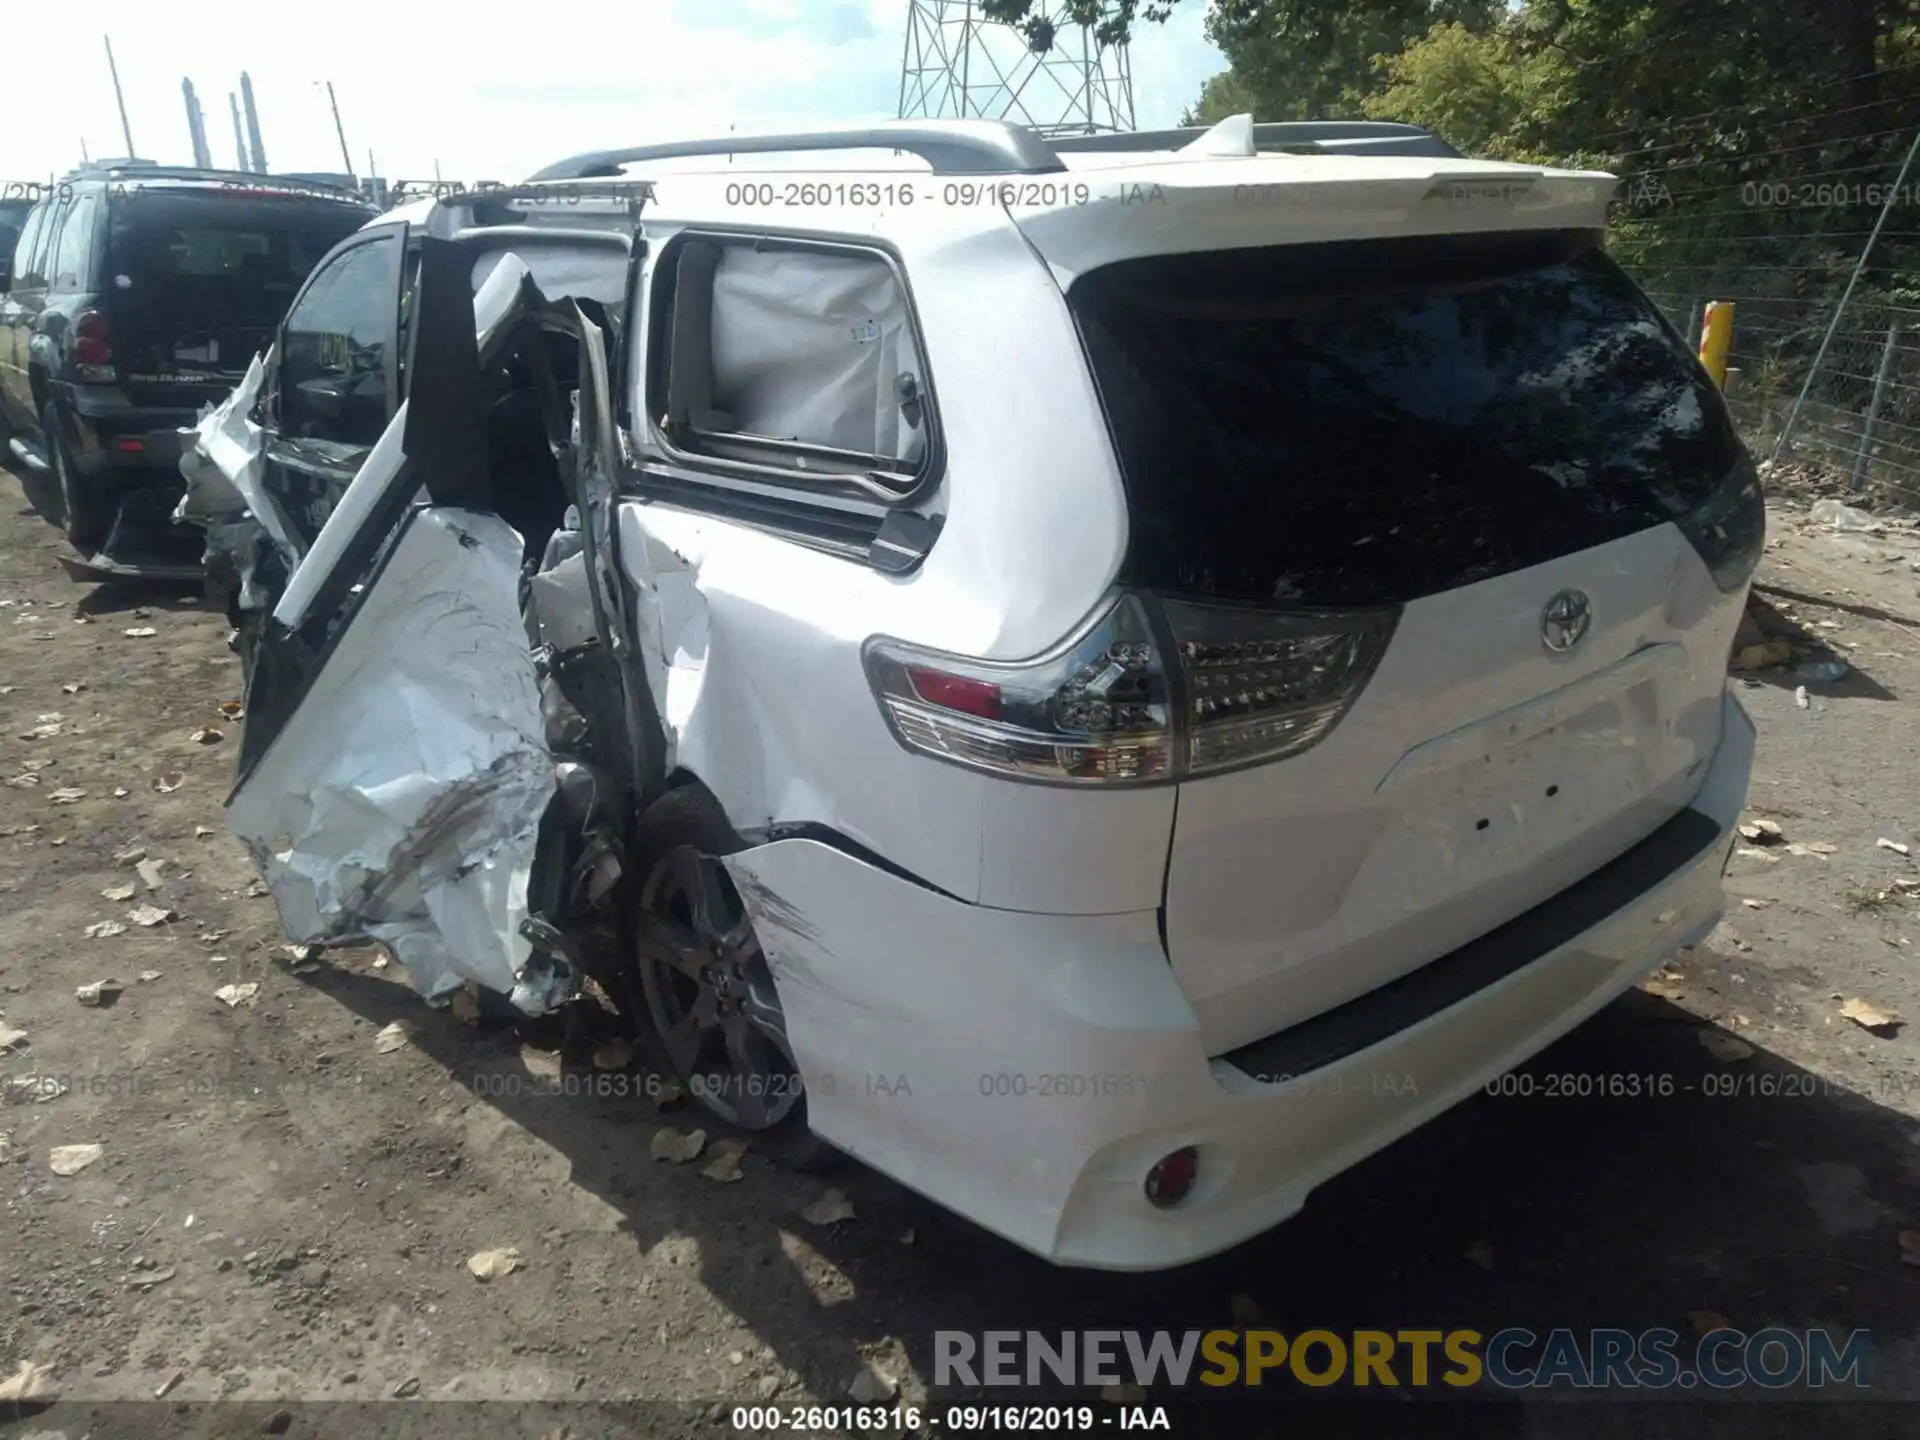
[
  {"x": 91, "y": 345},
  {"x": 956, "y": 692},
  {"x": 1229, "y": 686},
  {"x": 130, "y": 447},
  {"x": 1094, "y": 712}
]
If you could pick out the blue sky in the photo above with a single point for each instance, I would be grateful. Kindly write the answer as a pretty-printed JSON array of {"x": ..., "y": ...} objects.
[{"x": 484, "y": 92}]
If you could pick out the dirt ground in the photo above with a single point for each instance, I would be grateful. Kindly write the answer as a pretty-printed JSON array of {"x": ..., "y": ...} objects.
[{"x": 283, "y": 1211}]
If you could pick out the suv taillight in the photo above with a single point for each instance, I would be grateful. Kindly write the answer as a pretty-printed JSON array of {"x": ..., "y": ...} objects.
[
  {"x": 1244, "y": 686},
  {"x": 91, "y": 344}
]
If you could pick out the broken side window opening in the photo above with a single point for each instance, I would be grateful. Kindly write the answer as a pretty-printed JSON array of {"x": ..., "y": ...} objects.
[
  {"x": 233, "y": 491},
  {"x": 445, "y": 737},
  {"x": 798, "y": 362}
]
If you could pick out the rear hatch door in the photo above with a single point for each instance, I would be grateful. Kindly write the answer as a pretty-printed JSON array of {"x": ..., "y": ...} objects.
[
  {"x": 198, "y": 278},
  {"x": 1488, "y": 446}
]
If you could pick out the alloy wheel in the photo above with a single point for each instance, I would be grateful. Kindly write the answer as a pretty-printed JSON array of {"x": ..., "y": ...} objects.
[{"x": 710, "y": 994}]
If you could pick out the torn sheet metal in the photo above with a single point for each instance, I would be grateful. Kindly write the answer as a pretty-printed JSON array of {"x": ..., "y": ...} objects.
[
  {"x": 222, "y": 457},
  {"x": 403, "y": 799}
]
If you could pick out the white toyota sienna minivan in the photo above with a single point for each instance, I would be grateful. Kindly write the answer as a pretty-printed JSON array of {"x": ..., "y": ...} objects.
[{"x": 1106, "y": 679}]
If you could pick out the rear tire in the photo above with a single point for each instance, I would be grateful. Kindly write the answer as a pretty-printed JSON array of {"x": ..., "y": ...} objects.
[
  {"x": 85, "y": 517},
  {"x": 670, "y": 846}
]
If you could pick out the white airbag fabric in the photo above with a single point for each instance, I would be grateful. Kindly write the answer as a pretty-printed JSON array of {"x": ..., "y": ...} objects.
[{"x": 810, "y": 347}]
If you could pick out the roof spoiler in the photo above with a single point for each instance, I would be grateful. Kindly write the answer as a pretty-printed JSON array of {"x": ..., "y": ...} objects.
[{"x": 1240, "y": 135}]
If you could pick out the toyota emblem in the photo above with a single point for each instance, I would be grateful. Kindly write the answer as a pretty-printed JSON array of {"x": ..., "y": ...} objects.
[{"x": 1565, "y": 620}]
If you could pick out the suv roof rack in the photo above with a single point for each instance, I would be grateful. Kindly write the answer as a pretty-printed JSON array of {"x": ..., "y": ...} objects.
[
  {"x": 951, "y": 147},
  {"x": 1366, "y": 137},
  {"x": 143, "y": 170}
]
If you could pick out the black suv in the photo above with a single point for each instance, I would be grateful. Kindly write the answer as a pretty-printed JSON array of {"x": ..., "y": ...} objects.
[{"x": 136, "y": 296}]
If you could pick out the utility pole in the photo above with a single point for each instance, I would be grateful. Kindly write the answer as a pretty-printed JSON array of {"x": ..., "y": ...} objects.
[
  {"x": 126, "y": 130},
  {"x": 339, "y": 130}
]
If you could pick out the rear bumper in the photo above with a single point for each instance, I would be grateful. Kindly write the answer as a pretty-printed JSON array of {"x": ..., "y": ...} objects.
[
  {"x": 110, "y": 438},
  {"x": 1027, "y": 1070},
  {"x": 128, "y": 456}
]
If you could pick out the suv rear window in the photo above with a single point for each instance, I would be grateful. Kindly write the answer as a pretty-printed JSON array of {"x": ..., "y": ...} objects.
[
  {"x": 181, "y": 235},
  {"x": 198, "y": 281},
  {"x": 1360, "y": 423}
]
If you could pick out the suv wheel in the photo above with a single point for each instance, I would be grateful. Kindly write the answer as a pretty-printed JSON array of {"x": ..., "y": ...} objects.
[
  {"x": 86, "y": 519},
  {"x": 706, "y": 985}
]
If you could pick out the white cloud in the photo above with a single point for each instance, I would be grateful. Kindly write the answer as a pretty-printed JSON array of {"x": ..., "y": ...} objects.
[{"x": 485, "y": 93}]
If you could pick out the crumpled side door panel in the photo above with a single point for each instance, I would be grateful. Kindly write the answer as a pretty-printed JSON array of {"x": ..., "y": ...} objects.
[
  {"x": 401, "y": 799},
  {"x": 397, "y": 766}
]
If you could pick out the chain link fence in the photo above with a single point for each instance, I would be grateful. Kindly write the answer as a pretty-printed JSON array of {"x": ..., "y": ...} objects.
[
  {"x": 1860, "y": 422},
  {"x": 1808, "y": 223}
]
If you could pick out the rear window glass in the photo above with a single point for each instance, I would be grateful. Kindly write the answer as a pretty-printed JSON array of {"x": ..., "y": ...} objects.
[
  {"x": 158, "y": 238},
  {"x": 197, "y": 283},
  {"x": 1368, "y": 422}
]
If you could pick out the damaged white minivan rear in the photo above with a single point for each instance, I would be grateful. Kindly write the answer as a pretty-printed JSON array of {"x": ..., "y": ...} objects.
[{"x": 1108, "y": 702}]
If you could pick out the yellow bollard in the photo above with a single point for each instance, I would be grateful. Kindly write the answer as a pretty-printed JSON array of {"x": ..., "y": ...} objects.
[{"x": 1716, "y": 339}]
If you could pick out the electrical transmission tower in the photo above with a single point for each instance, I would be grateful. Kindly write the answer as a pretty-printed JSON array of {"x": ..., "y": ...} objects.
[{"x": 1055, "y": 77}]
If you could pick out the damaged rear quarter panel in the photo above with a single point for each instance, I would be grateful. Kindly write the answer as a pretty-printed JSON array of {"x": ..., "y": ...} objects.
[
  {"x": 761, "y": 692},
  {"x": 754, "y": 659},
  {"x": 766, "y": 698}
]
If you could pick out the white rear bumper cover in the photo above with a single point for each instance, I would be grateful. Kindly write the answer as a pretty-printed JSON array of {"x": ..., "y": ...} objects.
[{"x": 1027, "y": 1070}]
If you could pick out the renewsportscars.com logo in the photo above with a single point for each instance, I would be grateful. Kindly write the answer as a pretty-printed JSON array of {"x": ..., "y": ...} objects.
[{"x": 1775, "y": 1358}]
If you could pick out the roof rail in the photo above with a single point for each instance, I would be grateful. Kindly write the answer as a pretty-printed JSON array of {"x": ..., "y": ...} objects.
[
  {"x": 951, "y": 147},
  {"x": 254, "y": 180},
  {"x": 1343, "y": 137}
]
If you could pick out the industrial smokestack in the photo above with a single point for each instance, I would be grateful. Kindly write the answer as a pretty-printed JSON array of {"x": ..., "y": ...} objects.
[
  {"x": 254, "y": 146},
  {"x": 239, "y": 135},
  {"x": 196, "y": 126}
]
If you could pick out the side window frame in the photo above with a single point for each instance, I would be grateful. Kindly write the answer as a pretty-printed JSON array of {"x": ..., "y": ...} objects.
[
  {"x": 406, "y": 308},
  {"x": 23, "y": 244},
  {"x": 80, "y": 223},
  {"x": 820, "y": 490},
  {"x": 396, "y": 235},
  {"x": 26, "y": 255}
]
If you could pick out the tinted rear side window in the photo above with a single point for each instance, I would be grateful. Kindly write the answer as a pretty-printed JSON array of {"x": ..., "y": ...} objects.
[{"x": 1369, "y": 422}]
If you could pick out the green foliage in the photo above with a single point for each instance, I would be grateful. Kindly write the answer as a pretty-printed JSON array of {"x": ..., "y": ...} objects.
[
  {"x": 1477, "y": 88},
  {"x": 1755, "y": 143},
  {"x": 1112, "y": 20},
  {"x": 1299, "y": 59},
  {"x": 1227, "y": 94}
]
